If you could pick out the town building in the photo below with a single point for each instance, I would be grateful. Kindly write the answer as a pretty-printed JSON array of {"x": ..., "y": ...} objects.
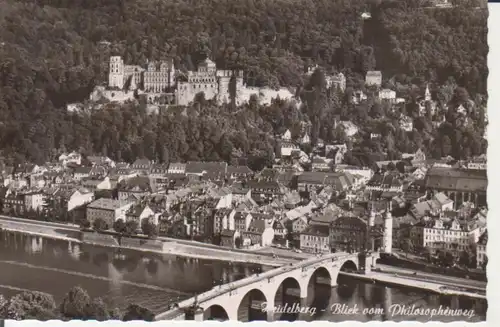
[
  {"x": 481, "y": 254},
  {"x": 177, "y": 168},
  {"x": 141, "y": 211},
  {"x": 258, "y": 234},
  {"x": 460, "y": 185},
  {"x": 374, "y": 77},
  {"x": 387, "y": 95},
  {"x": 108, "y": 210},
  {"x": 315, "y": 239},
  {"x": 137, "y": 187},
  {"x": 348, "y": 234},
  {"x": 440, "y": 234}
]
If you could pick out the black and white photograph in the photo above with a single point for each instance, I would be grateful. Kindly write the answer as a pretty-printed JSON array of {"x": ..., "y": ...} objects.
[{"x": 243, "y": 160}]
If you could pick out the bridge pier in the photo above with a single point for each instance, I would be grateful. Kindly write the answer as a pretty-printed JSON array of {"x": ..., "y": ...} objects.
[
  {"x": 232, "y": 313},
  {"x": 198, "y": 315}
]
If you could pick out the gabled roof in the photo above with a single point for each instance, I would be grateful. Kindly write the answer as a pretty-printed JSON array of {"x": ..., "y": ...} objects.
[
  {"x": 210, "y": 167},
  {"x": 142, "y": 162},
  {"x": 107, "y": 204},
  {"x": 257, "y": 226},
  {"x": 238, "y": 170},
  {"x": 137, "y": 210},
  {"x": 82, "y": 170},
  {"x": 138, "y": 184},
  {"x": 317, "y": 230},
  {"x": 227, "y": 233}
]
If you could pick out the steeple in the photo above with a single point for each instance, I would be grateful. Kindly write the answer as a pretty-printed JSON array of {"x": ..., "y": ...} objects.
[{"x": 427, "y": 93}]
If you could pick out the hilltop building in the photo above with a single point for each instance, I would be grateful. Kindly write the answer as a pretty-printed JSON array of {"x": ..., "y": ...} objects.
[
  {"x": 212, "y": 82},
  {"x": 157, "y": 77}
]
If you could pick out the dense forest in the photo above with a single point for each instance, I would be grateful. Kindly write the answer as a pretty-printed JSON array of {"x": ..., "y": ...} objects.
[{"x": 54, "y": 52}]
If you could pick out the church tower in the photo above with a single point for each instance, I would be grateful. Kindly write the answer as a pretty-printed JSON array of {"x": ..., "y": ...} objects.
[
  {"x": 116, "y": 72},
  {"x": 427, "y": 93},
  {"x": 387, "y": 246}
]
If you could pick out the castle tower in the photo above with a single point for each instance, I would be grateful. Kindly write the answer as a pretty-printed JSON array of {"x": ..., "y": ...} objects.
[
  {"x": 387, "y": 245},
  {"x": 224, "y": 79},
  {"x": 427, "y": 93},
  {"x": 116, "y": 72}
]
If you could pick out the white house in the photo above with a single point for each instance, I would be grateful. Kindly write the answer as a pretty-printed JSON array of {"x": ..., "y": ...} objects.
[
  {"x": 177, "y": 168},
  {"x": 406, "y": 123},
  {"x": 73, "y": 157},
  {"x": 140, "y": 212},
  {"x": 287, "y": 148},
  {"x": 387, "y": 94},
  {"x": 78, "y": 198}
]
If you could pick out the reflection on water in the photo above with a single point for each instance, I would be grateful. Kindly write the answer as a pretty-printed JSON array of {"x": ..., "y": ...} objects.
[
  {"x": 372, "y": 301},
  {"x": 152, "y": 280},
  {"x": 118, "y": 276}
]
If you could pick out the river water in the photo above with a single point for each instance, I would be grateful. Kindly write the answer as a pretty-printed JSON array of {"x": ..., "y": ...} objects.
[{"x": 155, "y": 281}]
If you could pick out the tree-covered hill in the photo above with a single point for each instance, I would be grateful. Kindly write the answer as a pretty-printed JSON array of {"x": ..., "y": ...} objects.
[{"x": 53, "y": 52}]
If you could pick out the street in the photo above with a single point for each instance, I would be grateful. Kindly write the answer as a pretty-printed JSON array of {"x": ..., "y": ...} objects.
[{"x": 455, "y": 281}]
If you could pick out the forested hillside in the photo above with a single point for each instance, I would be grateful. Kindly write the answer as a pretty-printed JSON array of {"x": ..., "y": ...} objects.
[{"x": 53, "y": 52}]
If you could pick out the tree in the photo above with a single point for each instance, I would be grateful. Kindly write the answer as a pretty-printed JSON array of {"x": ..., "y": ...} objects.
[
  {"x": 119, "y": 226},
  {"x": 3, "y": 306},
  {"x": 77, "y": 304},
  {"x": 448, "y": 259},
  {"x": 149, "y": 228},
  {"x": 446, "y": 146},
  {"x": 100, "y": 224},
  {"x": 465, "y": 258},
  {"x": 31, "y": 305},
  {"x": 237, "y": 242},
  {"x": 427, "y": 253},
  {"x": 407, "y": 246},
  {"x": 131, "y": 227},
  {"x": 400, "y": 165},
  {"x": 137, "y": 312},
  {"x": 85, "y": 224}
]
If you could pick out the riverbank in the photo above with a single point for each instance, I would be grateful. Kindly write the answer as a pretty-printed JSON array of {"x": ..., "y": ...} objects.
[
  {"x": 169, "y": 246},
  {"x": 414, "y": 283}
]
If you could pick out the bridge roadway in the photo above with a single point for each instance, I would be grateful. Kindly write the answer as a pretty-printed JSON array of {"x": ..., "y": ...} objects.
[{"x": 178, "y": 312}]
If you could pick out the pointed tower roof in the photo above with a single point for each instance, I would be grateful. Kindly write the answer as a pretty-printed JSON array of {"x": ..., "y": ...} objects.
[{"x": 427, "y": 93}]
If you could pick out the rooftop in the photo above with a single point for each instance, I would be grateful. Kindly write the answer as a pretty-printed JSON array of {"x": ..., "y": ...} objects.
[{"x": 107, "y": 204}]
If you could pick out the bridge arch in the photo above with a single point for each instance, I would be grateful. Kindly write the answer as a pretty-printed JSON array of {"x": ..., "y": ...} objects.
[
  {"x": 289, "y": 292},
  {"x": 349, "y": 266},
  {"x": 252, "y": 305},
  {"x": 215, "y": 312},
  {"x": 319, "y": 286}
]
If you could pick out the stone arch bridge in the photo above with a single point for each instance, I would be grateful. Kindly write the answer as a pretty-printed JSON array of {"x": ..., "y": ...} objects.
[{"x": 269, "y": 289}]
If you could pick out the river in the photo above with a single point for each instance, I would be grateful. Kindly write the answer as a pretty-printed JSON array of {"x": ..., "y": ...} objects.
[{"x": 155, "y": 281}]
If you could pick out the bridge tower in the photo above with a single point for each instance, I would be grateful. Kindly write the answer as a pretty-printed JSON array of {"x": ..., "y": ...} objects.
[
  {"x": 371, "y": 225},
  {"x": 387, "y": 246}
]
